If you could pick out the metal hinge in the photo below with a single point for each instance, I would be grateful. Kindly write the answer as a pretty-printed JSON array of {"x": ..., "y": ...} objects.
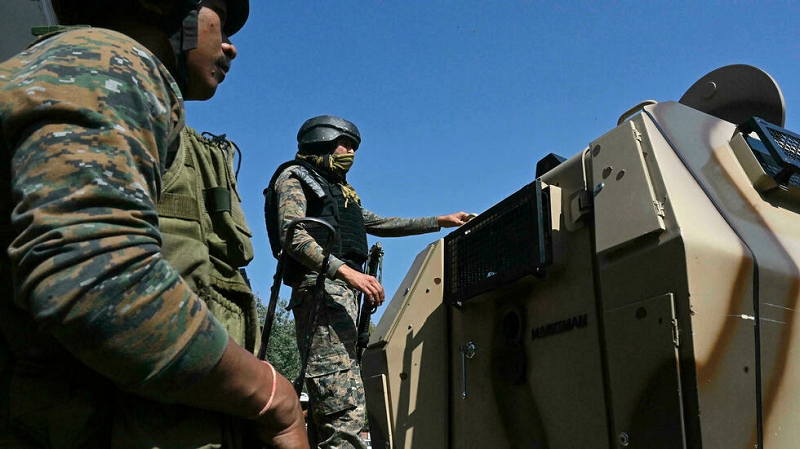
[
  {"x": 659, "y": 207},
  {"x": 676, "y": 339},
  {"x": 584, "y": 201},
  {"x": 637, "y": 135},
  {"x": 580, "y": 204}
]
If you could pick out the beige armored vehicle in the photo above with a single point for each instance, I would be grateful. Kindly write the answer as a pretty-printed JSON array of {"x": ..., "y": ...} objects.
[{"x": 640, "y": 294}]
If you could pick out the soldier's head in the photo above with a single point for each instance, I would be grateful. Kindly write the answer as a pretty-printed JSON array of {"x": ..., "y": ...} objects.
[
  {"x": 191, "y": 37},
  {"x": 328, "y": 134},
  {"x": 209, "y": 62}
]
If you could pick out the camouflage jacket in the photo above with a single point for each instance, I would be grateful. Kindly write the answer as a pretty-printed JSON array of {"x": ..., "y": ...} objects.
[
  {"x": 292, "y": 203},
  {"x": 88, "y": 119}
]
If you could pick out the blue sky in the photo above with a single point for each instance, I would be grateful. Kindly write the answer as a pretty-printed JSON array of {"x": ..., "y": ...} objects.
[{"x": 457, "y": 100}]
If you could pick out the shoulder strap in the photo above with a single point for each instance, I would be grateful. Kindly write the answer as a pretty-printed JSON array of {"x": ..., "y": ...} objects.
[{"x": 310, "y": 180}]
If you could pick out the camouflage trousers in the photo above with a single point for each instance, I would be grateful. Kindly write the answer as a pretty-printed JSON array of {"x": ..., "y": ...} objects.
[{"x": 333, "y": 377}]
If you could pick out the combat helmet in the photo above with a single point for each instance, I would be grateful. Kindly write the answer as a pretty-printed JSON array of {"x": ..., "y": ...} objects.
[
  {"x": 326, "y": 128},
  {"x": 73, "y": 12},
  {"x": 238, "y": 11},
  {"x": 180, "y": 25}
]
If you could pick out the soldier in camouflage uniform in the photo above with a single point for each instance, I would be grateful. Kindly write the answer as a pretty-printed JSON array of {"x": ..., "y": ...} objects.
[
  {"x": 315, "y": 185},
  {"x": 101, "y": 341}
]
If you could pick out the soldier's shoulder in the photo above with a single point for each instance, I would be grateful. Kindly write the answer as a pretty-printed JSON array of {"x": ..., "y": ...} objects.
[
  {"x": 92, "y": 51},
  {"x": 286, "y": 171},
  {"x": 84, "y": 43},
  {"x": 102, "y": 69}
]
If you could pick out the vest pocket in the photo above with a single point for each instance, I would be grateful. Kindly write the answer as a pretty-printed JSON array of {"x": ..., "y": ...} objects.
[
  {"x": 230, "y": 239},
  {"x": 231, "y": 315}
]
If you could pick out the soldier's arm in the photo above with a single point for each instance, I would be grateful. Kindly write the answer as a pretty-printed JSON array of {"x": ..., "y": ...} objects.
[
  {"x": 88, "y": 266},
  {"x": 398, "y": 227}
]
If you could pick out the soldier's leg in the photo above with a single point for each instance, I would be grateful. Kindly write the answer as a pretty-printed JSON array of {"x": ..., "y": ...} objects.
[{"x": 333, "y": 378}]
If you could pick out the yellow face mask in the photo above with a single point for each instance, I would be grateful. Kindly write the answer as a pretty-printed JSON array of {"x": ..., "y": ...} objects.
[{"x": 341, "y": 163}]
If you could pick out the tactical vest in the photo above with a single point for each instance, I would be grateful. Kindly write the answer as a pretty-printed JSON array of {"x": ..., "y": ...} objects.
[
  {"x": 205, "y": 234},
  {"x": 351, "y": 242}
]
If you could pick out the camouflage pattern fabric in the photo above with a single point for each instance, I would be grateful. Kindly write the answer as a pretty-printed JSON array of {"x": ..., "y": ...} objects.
[
  {"x": 333, "y": 377},
  {"x": 88, "y": 118}
]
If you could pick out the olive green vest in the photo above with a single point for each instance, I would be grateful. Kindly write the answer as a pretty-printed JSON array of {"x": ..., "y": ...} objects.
[
  {"x": 206, "y": 238},
  {"x": 205, "y": 234}
]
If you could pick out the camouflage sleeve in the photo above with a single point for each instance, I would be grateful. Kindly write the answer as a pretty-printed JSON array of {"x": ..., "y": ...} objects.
[
  {"x": 291, "y": 205},
  {"x": 398, "y": 227},
  {"x": 91, "y": 115}
]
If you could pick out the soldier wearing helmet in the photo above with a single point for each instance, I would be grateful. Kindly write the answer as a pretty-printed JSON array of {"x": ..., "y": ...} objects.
[
  {"x": 102, "y": 342},
  {"x": 314, "y": 184}
]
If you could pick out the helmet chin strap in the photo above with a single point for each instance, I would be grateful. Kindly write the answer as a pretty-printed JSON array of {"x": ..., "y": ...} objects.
[{"x": 184, "y": 40}]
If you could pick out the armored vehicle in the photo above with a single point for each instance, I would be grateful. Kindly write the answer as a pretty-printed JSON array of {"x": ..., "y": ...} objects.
[{"x": 640, "y": 294}]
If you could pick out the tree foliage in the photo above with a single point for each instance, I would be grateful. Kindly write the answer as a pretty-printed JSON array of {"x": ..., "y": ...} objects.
[{"x": 282, "y": 351}]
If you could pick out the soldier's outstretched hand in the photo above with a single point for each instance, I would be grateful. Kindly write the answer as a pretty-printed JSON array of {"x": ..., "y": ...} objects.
[{"x": 453, "y": 220}]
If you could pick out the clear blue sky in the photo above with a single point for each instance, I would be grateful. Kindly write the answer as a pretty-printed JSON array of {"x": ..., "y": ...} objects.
[{"x": 457, "y": 100}]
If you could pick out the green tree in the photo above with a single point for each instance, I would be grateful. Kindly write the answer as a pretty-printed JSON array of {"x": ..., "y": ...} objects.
[{"x": 282, "y": 351}]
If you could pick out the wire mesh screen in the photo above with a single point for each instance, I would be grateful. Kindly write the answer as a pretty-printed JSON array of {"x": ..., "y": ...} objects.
[
  {"x": 778, "y": 151},
  {"x": 789, "y": 143},
  {"x": 510, "y": 240}
]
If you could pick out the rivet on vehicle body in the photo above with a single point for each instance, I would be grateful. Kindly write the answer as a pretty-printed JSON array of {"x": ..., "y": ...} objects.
[
  {"x": 607, "y": 171},
  {"x": 624, "y": 439},
  {"x": 596, "y": 150}
]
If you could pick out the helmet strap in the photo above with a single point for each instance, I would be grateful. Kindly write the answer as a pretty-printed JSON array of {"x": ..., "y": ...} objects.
[{"x": 184, "y": 40}]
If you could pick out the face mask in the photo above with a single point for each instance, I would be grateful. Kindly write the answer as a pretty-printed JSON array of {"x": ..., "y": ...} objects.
[{"x": 341, "y": 163}]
